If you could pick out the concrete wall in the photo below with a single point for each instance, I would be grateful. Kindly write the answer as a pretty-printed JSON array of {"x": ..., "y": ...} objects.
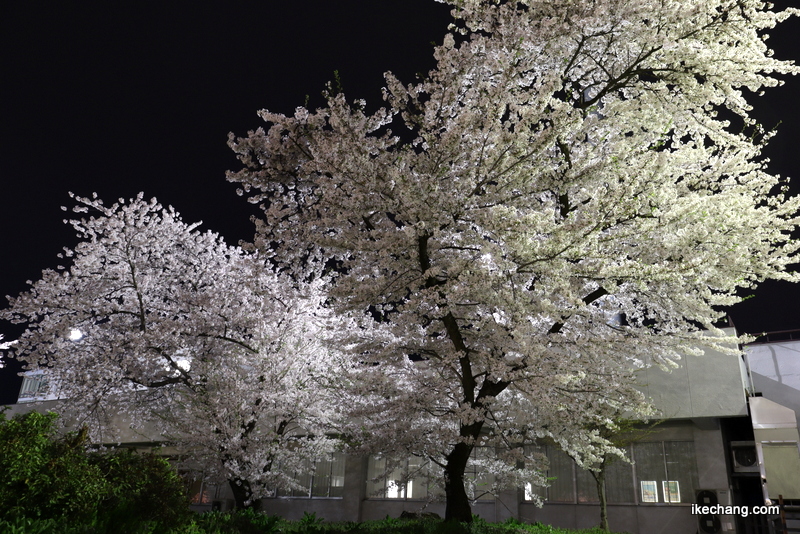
[
  {"x": 775, "y": 368},
  {"x": 711, "y": 385},
  {"x": 121, "y": 431}
]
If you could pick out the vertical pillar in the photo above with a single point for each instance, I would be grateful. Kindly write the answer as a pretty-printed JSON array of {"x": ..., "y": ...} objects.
[
  {"x": 355, "y": 486},
  {"x": 506, "y": 505}
]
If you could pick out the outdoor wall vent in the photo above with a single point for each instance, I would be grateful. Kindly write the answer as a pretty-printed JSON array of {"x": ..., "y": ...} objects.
[{"x": 745, "y": 459}]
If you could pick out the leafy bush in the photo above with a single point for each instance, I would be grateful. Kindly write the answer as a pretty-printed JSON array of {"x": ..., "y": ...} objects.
[
  {"x": 42, "y": 476},
  {"x": 246, "y": 521},
  {"x": 26, "y": 525},
  {"x": 251, "y": 522},
  {"x": 142, "y": 488},
  {"x": 45, "y": 477}
]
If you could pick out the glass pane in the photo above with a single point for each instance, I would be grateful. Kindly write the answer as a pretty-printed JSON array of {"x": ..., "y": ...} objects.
[
  {"x": 561, "y": 488},
  {"x": 337, "y": 475},
  {"x": 395, "y": 488},
  {"x": 619, "y": 482},
  {"x": 418, "y": 473},
  {"x": 32, "y": 387},
  {"x": 304, "y": 479},
  {"x": 681, "y": 471},
  {"x": 649, "y": 458},
  {"x": 376, "y": 468},
  {"x": 484, "y": 479},
  {"x": 587, "y": 487},
  {"x": 671, "y": 490},
  {"x": 649, "y": 490},
  {"x": 322, "y": 479},
  {"x": 198, "y": 492},
  {"x": 530, "y": 489}
]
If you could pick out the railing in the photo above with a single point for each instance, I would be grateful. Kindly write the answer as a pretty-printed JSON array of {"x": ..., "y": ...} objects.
[
  {"x": 779, "y": 335},
  {"x": 789, "y": 519}
]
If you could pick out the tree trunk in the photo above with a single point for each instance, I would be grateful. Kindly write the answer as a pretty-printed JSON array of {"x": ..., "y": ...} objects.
[
  {"x": 457, "y": 507},
  {"x": 241, "y": 493},
  {"x": 600, "y": 478}
]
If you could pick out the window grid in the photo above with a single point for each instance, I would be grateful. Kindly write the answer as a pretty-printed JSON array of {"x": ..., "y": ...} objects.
[
  {"x": 410, "y": 479},
  {"x": 665, "y": 471},
  {"x": 662, "y": 472},
  {"x": 401, "y": 483},
  {"x": 34, "y": 387},
  {"x": 322, "y": 478}
]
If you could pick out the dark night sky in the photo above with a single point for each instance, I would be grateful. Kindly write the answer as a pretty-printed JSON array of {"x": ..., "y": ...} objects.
[{"x": 118, "y": 98}]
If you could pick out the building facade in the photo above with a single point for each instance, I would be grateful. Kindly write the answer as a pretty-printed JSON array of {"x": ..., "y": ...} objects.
[{"x": 729, "y": 441}]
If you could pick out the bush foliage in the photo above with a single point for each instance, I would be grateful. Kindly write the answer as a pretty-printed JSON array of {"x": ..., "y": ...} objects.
[
  {"x": 52, "y": 484},
  {"x": 47, "y": 479},
  {"x": 250, "y": 522}
]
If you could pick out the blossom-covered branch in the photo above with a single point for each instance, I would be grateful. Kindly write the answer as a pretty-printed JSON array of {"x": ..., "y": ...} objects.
[{"x": 566, "y": 193}]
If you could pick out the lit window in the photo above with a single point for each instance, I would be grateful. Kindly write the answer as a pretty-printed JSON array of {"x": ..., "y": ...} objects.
[
  {"x": 671, "y": 490},
  {"x": 403, "y": 480},
  {"x": 412, "y": 478},
  {"x": 649, "y": 491},
  {"x": 200, "y": 491}
]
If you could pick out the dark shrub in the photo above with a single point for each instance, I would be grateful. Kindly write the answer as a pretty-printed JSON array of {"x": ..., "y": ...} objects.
[
  {"x": 143, "y": 488},
  {"x": 44, "y": 476}
]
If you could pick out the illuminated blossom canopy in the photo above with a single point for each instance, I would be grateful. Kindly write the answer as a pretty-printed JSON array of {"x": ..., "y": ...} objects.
[
  {"x": 575, "y": 185},
  {"x": 185, "y": 336}
]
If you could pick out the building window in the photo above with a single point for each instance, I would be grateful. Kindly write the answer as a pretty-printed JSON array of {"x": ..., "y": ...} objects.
[
  {"x": 322, "y": 478},
  {"x": 562, "y": 476},
  {"x": 619, "y": 482},
  {"x": 413, "y": 478},
  {"x": 201, "y": 492},
  {"x": 480, "y": 479},
  {"x": 34, "y": 387},
  {"x": 587, "y": 487},
  {"x": 666, "y": 471},
  {"x": 397, "y": 480}
]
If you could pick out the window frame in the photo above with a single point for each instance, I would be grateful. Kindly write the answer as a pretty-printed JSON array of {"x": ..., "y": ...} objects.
[
  {"x": 333, "y": 474},
  {"x": 667, "y": 460}
]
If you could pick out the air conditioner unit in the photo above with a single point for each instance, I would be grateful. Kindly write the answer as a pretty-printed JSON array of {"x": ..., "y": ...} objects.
[
  {"x": 745, "y": 458},
  {"x": 714, "y": 523}
]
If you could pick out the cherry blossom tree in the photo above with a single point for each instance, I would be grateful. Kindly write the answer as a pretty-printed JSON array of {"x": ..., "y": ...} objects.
[
  {"x": 4, "y": 346},
  {"x": 173, "y": 329},
  {"x": 576, "y": 184}
]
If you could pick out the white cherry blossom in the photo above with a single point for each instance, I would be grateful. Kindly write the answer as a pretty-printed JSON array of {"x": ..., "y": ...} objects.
[
  {"x": 178, "y": 333},
  {"x": 565, "y": 162}
]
